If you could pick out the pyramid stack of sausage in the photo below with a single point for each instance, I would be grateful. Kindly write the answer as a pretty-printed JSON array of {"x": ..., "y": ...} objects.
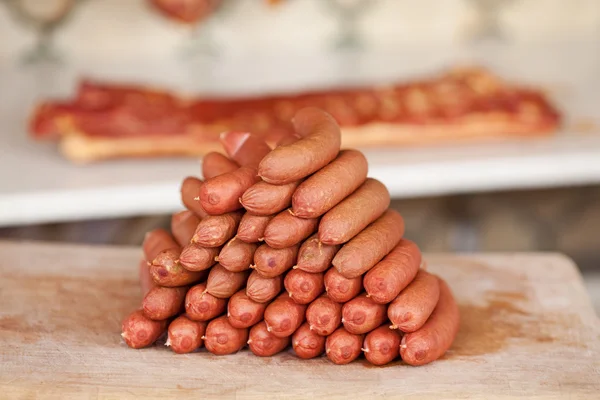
[{"x": 292, "y": 245}]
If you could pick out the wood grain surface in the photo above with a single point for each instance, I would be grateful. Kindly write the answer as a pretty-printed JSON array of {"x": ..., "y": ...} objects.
[{"x": 528, "y": 330}]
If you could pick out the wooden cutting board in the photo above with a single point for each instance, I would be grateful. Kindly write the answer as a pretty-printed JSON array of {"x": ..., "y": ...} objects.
[{"x": 528, "y": 329}]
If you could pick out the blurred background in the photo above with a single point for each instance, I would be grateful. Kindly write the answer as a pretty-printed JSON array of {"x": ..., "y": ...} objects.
[{"x": 542, "y": 195}]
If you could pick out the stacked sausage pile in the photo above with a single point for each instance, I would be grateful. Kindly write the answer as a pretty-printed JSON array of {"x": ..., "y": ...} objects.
[{"x": 330, "y": 274}]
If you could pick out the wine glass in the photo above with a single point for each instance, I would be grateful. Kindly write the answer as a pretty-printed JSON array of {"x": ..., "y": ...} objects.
[
  {"x": 44, "y": 17},
  {"x": 199, "y": 16},
  {"x": 348, "y": 13}
]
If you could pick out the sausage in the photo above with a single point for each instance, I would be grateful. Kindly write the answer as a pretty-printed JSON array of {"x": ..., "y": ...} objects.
[
  {"x": 434, "y": 338},
  {"x": 263, "y": 198},
  {"x": 302, "y": 286},
  {"x": 283, "y": 316},
  {"x": 221, "y": 338},
  {"x": 286, "y": 230},
  {"x": 190, "y": 196},
  {"x": 306, "y": 343},
  {"x": 361, "y": 315},
  {"x": 319, "y": 145},
  {"x": 164, "y": 302},
  {"x": 215, "y": 164},
  {"x": 243, "y": 312},
  {"x": 270, "y": 262},
  {"x": 341, "y": 289},
  {"x": 198, "y": 258},
  {"x": 244, "y": 148},
  {"x": 220, "y": 195},
  {"x": 314, "y": 256},
  {"x": 409, "y": 311},
  {"x": 252, "y": 227},
  {"x": 329, "y": 186},
  {"x": 203, "y": 306},
  {"x": 215, "y": 230},
  {"x": 183, "y": 226},
  {"x": 382, "y": 345},
  {"x": 263, "y": 343},
  {"x": 236, "y": 255},
  {"x": 387, "y": 278},
  {"x": 140, "y": 331},
  {"x": 223, "y": 284},
  {"x": 324, "y": 315},
  {"x": 157, "y": 241},
  {"x": 368, "y": 247},
  {"x": 343, "y": 347},
  {"x": 185, "y": 335},
  {"x": 167, "y": 271},
  {"x": 146, "y": 281},
  {"x": 355, "y": 213},
  {"x": 262, "y": 289}
]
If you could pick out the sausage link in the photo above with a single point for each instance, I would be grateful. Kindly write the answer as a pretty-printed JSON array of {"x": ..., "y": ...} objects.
[
  {"x": 262, "y": 289},
  {"x": 190, "y": 196},
  {"x": 286, "y": 230},
  {"x": 185, "y": 335},
  {"x": 263, "y": 198},
  {"x": 245, "y": 148},
  {"x": 355, "y": 213},
  {"x": 215, "y": 230},
  {"x": 306, "y": 343},
  {"x": 283, "y": 316},
  {"x": 314, "y": 256},
  {"x": 385, "y": 280},
  {"x": 339, "y": 288},
  {"x": 198, "y": 258},
  {"x": 343, "y": 347},
  {"x": 157, "y": 241},
  {"x": 164, "y": 302},
  {"x": 270, "y": 262},
  {"x": 409, "y": 311},
  {"x": 140, "y": 331},
  {"x": 368, "y": 247},
  {"x": 221, "y": 194},
  {"x": 319, "y": 145},
  {"x": 434, "y": 338},
  {"x": 223, "y": 284},
  {"x": 221, "y": 338},
  {"x": 361, "y": 315},
  {"x": 243, "y": 312},
  {"x": 324, "y": 315},
  {"x": 263, "y": 343},
  {"x": 329, "y": 186},
  {"x": 167, "y": 271},
  {"x": 215, "y": 164},
  {"x": 382, "y": 345},
  {"x": 202, "y": 306},
  {"x": 252, "y": 227},
  {"x": 303, "y": 287},
  {"x": 183, "y": 226},
  {"x": 236, "y": 255},
  {"x": 146, "y": 281}
]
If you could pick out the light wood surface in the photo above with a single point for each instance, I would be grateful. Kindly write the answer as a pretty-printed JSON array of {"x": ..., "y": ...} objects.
[{"x": 528, "y": 329}]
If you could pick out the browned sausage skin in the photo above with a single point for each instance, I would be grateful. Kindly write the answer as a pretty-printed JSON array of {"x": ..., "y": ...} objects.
[
  {"x": 270, "y": 262},
  {"x": 236, "y": 255},
  {"x": 339, "y": 288},
  {"x": 434, "y": 338},
  {"x": 409, "y": 311},
  {"x": 286, "y": 230},
  {"x": 368, "y": 247},
  {"x": 354, "y": 213},
  {"x": 361, "y": 314},
  {"x": 324, "y": 315},
  {"x": 382, "y": 345},
  {"x": 164, "y": 302},
  {"x": 319, "y": 145},
  {"x": 202, "y": 306},
  {"x": 139, "y": 331},
  {"x": 221, "y": 338},
  {"x": 263, "y": 343},
  {"x": 252, "y": 227},
  {"x": 303, "y": 287},
  {"x": 306, "y": 343},
  {"x": 387, "y": 278},
  {"x": 314, "y": 256},
  {"x": 283, "y": 316},
  {"x": 329, "y": 186},
  {"x": 343, "y": 347},
  {"x": 185, "y": 335},
  {"x": 243, "y": 312},
  {"x": 261, "y": 289}
]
